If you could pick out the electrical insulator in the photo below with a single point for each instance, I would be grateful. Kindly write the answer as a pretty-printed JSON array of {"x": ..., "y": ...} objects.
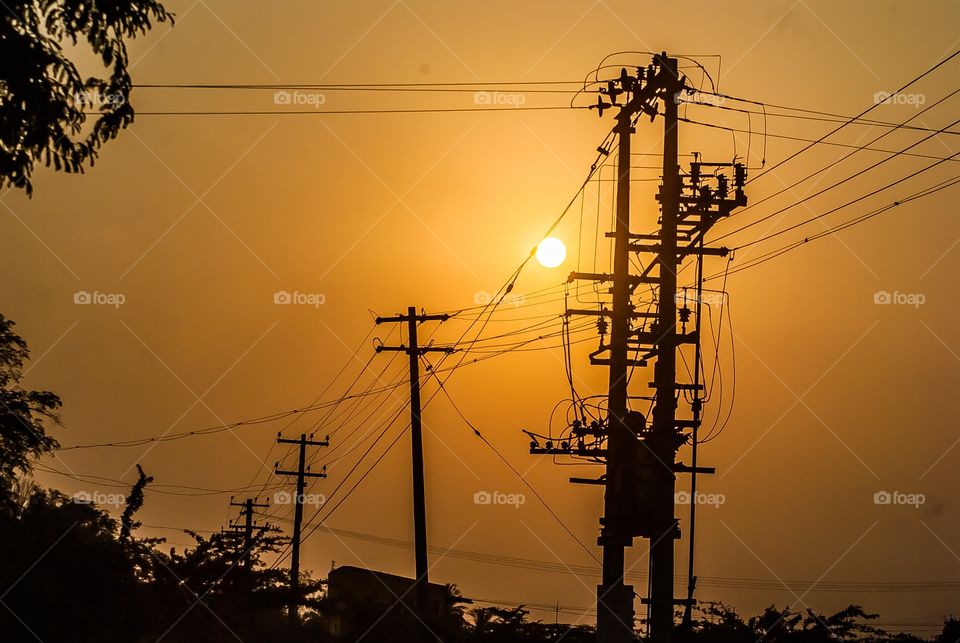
[
  {"x": 684, "y": 314},
  {"x": 739, "y": 175},
  {"x": 602, "y": 326},
  {"x": 613, "y": 91},
  {"x": 722, "y": 186},
  {"x": 694, "y": 173},
  {"x": 696, "y": 405}
]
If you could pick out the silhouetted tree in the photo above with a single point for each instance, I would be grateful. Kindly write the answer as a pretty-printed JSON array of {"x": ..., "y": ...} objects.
[
  {"x": 510, "y": 625},
  {"x": 44, "y": 100},
  {"x": 721, "y": 623},
  {"x": 24, "y": 414},
  {"x": 66, "y": 576},
  {"x": 950, "y": 632},
  {"x": 207, "y": 592}
]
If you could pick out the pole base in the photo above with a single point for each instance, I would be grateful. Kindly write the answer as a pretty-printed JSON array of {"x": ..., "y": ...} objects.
[{"x": 615, "y": 614}]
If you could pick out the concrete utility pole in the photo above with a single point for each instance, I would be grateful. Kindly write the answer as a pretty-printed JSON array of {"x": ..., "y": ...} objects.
[
  {"x": 663, "y": 440},
  {"x": 415, "y": 351},
  {"x": 641, "y": 465},
  {"x": 302, "y": 473}
]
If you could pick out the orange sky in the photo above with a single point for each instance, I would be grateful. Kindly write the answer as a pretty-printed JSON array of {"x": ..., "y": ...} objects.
[{"x": 198, "y": 220}]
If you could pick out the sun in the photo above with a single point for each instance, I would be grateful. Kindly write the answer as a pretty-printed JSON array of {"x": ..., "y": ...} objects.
[{"x": 551, "y": 252}]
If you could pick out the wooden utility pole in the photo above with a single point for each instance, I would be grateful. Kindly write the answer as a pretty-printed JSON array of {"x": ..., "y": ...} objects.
[
  {"x": 415, "y": 351},
  {"x": 302, "y": 473},
  {"x": 248, "y": 526}
]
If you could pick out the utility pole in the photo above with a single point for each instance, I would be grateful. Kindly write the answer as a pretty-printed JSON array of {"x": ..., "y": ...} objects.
[
  {"x": 415, "y": 351},
  {"x": 663, "y": 440},
  {"x": 302, "y": 473},
  {"x": 641, "y": 466},
  {"x": 615, "y": 614},
  {"x": 248, "y": 526}
]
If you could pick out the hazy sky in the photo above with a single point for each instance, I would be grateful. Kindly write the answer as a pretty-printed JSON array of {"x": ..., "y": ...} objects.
[{"x": 197, "y": 221}]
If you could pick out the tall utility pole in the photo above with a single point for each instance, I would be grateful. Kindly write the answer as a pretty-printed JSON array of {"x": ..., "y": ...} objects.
[
  {"x": 615, "y": 614},
  {"x": 415, "y": 351},
  {"x": 302, "y": 473},
  {"x": 248, "y": 526},
  {"x": 641, "y": 464},
  {"x": 663, "y": 440}
]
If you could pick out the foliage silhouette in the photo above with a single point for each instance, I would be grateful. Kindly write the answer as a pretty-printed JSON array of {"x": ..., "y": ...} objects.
[
  {"x": 45, "y": 100},
  {"x": 24, "y": 414}
]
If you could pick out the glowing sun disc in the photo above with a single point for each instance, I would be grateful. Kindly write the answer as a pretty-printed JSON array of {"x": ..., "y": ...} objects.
[{"x": 551, "y": 252}]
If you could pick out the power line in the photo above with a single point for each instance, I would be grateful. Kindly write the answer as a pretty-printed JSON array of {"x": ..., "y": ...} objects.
[
  {"x": 334, "y": 112},
  {"x": 825, "y": 117},
  {"x": 848, "y": 121},
  {"x": 773, "y": 254},
  {"x": 842, "y": 181},
  {"x": 801, "y": 139},
  {"x": 844, "y": 205},
  {"x": 345, "y": 86}
]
